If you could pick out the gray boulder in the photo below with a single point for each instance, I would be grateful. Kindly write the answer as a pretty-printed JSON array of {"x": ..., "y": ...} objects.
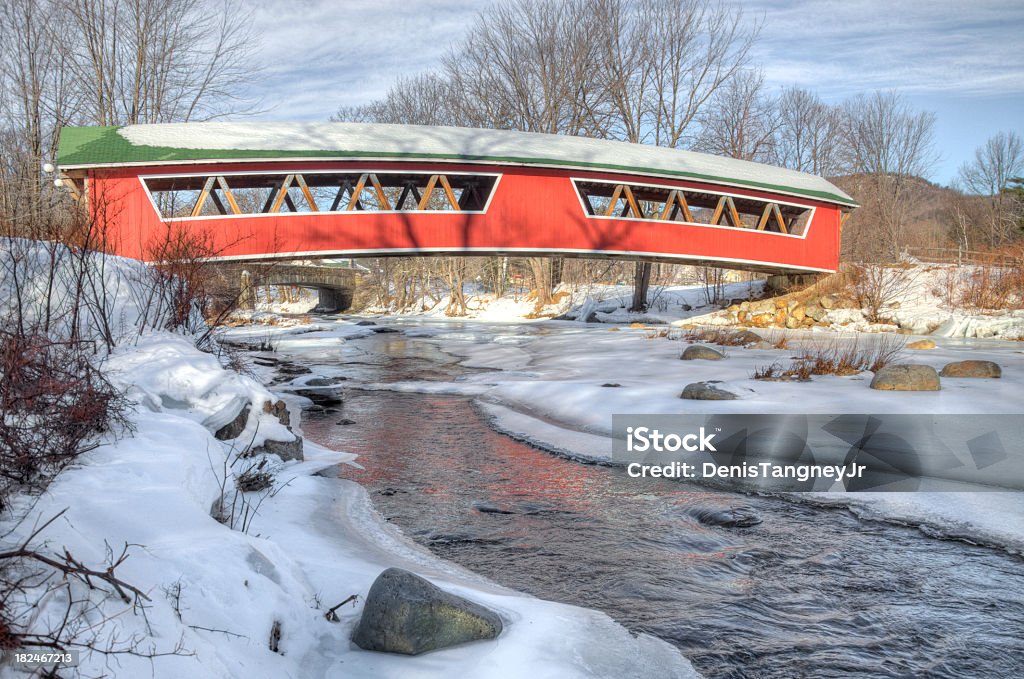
[
  {"x": 235, "y": 427},
  {"x": 707, "y": 391},
  {"x": 745, "y": 337},
  {"x": 972, "y": 369},
  {"x": 407, "y": 614},
  {"x": 906, "y": 377},
  {"x": 279, "y": 410},
  {"x": 322, "y": 396},
  {"x": 286, "y": 450},
  {"x": 701, "y": 352}
]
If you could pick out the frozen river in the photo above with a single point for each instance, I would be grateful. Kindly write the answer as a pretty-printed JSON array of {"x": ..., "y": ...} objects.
[{"x": 807, "y": 591}]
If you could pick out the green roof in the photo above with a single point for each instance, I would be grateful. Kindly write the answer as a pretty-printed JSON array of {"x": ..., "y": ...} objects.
[{"x": 88, "y": 147}]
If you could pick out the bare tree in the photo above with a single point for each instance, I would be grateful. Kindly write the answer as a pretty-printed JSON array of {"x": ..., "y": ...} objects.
[
  {"x": 888, "y": 144},
  {"x": 35, "y": 99},
  {"x": 154, "y": 61},
  {"x": 743, "y": 120},
  {"x": 995, "y": 164},
  {"x": 809, "y": 135},
  {"x": 424, "y": 99}
]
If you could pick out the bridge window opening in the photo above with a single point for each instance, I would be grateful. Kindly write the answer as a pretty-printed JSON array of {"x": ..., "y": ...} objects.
[
  {"x": 187, "y": 197},
  {"x": 690, "y": 206}
]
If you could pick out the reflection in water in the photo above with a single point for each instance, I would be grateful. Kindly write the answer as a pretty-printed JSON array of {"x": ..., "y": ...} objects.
[{"x": 805, "y": 593}]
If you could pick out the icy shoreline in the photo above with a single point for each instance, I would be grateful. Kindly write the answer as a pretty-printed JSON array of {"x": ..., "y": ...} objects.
[{"x": 217, "y": 592}]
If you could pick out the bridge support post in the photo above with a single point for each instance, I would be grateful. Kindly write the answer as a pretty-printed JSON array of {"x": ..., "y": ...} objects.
[
  {"x": 641, "y": 284},
  {"x": 246, "y": 294}
]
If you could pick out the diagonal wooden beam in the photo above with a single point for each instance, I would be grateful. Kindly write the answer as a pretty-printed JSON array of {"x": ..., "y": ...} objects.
[
  {"x": 290, "y": 203},
  {"x": 718, "y": 211},
  {"x": 301, "y": 181},
  {"x": 633, "y": 204},
  {"x": 587, "y": 205},
  {"x": 726, "y": 207},
  {"x": 734, "y": 214},
  {"x": 382, "y": 198},
  {"x": 403, "y": 196},
  {"x": 687, "y": 215},
  {"x": 353, "y": 203},
  {"x": 763, "y": 222},
  {"x": 449, "y": 193},
  {"x": 223, "y": 183},
  {"x": 282, "y": 193},
  {"x": 217, "y": 202},
  {"x": 670, "y": 205},
  {"x": 427, "y": 192},
  {"x": 783, "y": 227},
  {"x": 201, "y": 200},
  {"x": 345, "y": 185},
  {"x": 614, "y": 200}
]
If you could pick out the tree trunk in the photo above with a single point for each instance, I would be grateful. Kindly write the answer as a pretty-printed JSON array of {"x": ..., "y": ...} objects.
[
  {"x": 540, "y": 268},
  {"x": 641, "y": 284}
]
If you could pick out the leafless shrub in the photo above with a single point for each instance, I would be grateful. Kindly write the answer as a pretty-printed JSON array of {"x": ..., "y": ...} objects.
[
  {"x": 836, "y": 358},
  {"x": 77, "y": 596},
  {"x": 254, "y": 478},
  {"x": 56, "y": 406},
  {"x": 876, "y": 286},
  {"x": 242, "y": 491},
  {"x": 798, "y": 371}
]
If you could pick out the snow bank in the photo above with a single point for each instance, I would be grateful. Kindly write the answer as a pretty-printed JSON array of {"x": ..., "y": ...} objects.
[
  {"x": 118, "y": 296},
  {"x": 315, "y": 542}
]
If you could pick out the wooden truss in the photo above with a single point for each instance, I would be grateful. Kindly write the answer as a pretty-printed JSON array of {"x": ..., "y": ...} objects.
[
  {"x": 666, "y": 204},
  {"x": 352, "y": 192}
]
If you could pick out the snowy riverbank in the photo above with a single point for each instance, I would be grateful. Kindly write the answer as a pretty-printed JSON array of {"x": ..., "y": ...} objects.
[{"x": 216, "y": 593}]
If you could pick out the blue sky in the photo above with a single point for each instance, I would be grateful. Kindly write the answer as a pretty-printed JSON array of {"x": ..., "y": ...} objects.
[{"x": 962, "y": 60}]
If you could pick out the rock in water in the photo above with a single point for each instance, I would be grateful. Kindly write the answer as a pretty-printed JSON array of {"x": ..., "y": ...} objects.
[
  {"x": 707, "y": 391},
  {"x": 972, "y": 369},
  {"x": 407, "y": 614},
  {"x": 906, "y": 377},
  {"x": 699, "y": 351},
  {"x": 732, "y": 517},
  {"x": 922, "y": 344}
]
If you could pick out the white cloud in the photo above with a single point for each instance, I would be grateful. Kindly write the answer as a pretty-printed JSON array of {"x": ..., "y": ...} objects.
[{"x": 842, "y": 47}]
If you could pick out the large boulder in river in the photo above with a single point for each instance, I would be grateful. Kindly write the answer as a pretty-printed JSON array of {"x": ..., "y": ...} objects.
[
  {"x": 906, "y": 377},
  {"x": 707, "y": 391},
  {"x": 701, "y": 352},
  {"x": 972, "y": 369},
  {"x": 407, "y": 614}
]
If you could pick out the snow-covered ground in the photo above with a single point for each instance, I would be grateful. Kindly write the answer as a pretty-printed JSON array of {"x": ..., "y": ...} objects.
[{"x": 916, "y": 299}]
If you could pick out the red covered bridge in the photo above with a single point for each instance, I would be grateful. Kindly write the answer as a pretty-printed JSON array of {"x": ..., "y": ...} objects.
[{"x": 293, "y": 190}]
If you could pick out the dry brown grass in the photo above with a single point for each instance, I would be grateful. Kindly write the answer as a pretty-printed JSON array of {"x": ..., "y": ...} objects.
[
  {"x": 798, "y": 371},
  {"x": 719, "y": 336},
  {"x": 837, "y": 358}
]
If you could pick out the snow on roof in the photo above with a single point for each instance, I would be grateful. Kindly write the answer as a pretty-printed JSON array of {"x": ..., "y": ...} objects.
[{"x": 82, "y": 147}]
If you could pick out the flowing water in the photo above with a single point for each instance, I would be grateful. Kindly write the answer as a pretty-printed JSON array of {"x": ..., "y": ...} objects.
[{"x": 807, "y": 592}]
